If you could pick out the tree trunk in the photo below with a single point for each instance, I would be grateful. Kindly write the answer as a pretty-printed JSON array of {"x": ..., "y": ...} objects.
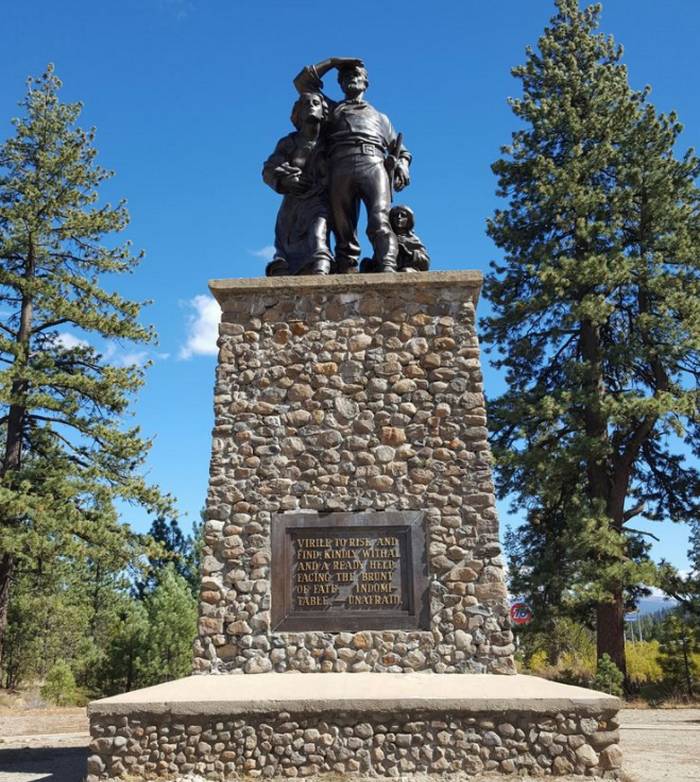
[
  {"x": 686, "y": 668},
  {"x": 610, "y": 630},
  {"x": 604, "y": 495},
  {"x": 15, "y": 431},
  {"x": 7, "y": 567}
]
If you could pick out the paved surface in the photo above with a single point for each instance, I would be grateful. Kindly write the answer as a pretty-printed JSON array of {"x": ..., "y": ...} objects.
[
  {"x": 659, "y": 746},
  {"x": 390, "y": 692},
  {"x": 27, "y": 722}
]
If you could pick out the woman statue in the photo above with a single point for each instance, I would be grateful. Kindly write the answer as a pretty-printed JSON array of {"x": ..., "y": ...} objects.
[{"x": 297, "y": 169}]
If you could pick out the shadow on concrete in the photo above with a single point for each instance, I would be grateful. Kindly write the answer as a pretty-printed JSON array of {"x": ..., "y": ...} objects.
[{"x": 45, "y": 764}]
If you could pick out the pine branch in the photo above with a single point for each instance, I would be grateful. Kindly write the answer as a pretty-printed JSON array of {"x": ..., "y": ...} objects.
[{"x": 49, "y": 324}]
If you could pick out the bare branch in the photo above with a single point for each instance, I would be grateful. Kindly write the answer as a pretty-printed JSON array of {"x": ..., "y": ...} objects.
[
  {"x": 632, "y": 512},
  {"x": 642, "y": 532}
]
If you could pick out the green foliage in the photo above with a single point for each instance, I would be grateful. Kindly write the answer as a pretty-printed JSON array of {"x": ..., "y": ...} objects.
[
  {"x": 51, "y": 228},
  {"x": 123, "y": 661},
  {"x": 47, "y": 624},
  {"x": 60, "y": 687},
  {"x": 680, "y": 650},
  {"x": 173, "y": 547},
  {"x": 596, "y": 319},
  {"x": 652, "y": 673},
  {"x": 76, "y": 619},
  {"x": 151, "y": 639},
  {"x": 172, "y": 626},
  {"x": 564, "y": 643},
  {"x": 87, "y": 614},
  {"x": 686, "y": 588},
  {"x": 608, "y": 678},
  {"x": 67, "y": 453},
  {"x": 643, "y": 665}
]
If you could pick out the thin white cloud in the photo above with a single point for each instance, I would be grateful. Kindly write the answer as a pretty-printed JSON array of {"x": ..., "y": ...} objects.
[
  {"x": 115, "y": 354},
  {"x": 267, "y": 253},
  {"x": 202, "y": 327},
  {"x": 137, "y": 358},
  {"x": 68, "y": 341}
]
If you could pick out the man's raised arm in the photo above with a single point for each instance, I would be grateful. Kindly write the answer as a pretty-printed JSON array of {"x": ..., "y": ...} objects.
[{"x": 310, "y": 79}]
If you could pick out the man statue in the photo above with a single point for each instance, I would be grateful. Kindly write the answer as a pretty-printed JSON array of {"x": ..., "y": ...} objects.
[{"x": 363, "y": 152}]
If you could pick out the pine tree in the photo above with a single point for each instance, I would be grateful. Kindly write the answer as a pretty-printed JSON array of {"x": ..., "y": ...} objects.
[
  {"x": 685, "y": 588},
  {"x": 680, "y": 646},
  {"x": 596, "y": 313},
  {"x": 66, "y": 452},
  {"x": 123, "y": 664},
  {"x": 173, "y": 546},
  {"x": 172, "y": 617}
]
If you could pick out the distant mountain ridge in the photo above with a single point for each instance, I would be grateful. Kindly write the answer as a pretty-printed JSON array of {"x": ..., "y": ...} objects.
[{"x": 653, "y": 605}]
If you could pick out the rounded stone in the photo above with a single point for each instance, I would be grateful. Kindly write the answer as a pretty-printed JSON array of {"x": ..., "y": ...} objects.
[
  {"x": 611, "y": 757},
  {"x": 258, "y": 665},
  {"x": 392, "y": 435},
  {"x": 384, "y": 453},
  {"x": 418, "y": 346},
  {"x": 562, "y": 766},
  {"x": 359, "y": 342},
  {"x": 415, "y": 659},
  {"x": 405, "y": 386},
  {"x": 300, "y": 392},
  {"x": 587, "y": 755},
  {"x": 346, "y": 407},
  {"x": 95, "y": 765},
  {"x": 463, "y": 641},
  {"x": 381, "y": 482}
]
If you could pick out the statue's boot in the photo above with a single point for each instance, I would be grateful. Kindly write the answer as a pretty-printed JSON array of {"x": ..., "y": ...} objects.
[
  {"x": 320, "y": 266},
  {"x": 345, "y": 268},
  {"x": 277, "y": 268},
  {"x": 368, "y": 265}
]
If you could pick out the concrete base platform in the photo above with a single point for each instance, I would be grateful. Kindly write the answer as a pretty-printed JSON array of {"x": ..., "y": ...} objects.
[{"x": 271, "y": 725}]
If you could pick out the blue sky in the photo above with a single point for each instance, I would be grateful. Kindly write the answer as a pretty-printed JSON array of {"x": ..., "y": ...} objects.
[{"x": 190, "y": 96}]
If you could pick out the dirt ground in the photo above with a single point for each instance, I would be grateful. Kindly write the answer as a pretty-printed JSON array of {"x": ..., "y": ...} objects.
[{"x": 49, "y": 745}]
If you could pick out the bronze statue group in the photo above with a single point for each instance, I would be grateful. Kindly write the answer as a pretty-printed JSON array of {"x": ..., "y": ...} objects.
[{"x": 342, "y": 154}]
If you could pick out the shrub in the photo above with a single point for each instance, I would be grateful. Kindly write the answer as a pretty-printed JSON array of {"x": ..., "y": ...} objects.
[
  {"x": 538, "y": 662},
  {"x": 608, "y": 677},
  {"x": 643, "y": 665},
  {"x": 60, "y": 687}
]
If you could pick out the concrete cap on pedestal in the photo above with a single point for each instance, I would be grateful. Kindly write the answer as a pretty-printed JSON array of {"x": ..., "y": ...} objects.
[
  {"x": 470, "y": 281},
  {"x": 269, "y": 693}
]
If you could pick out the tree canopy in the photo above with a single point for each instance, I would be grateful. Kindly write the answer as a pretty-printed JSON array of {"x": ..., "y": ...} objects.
[
  {"x": 67, "y": 451},
  {"x": 596, "y": 317}
]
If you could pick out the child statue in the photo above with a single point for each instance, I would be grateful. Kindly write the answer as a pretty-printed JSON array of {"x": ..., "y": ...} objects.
[{"x": 412, "y": 256}]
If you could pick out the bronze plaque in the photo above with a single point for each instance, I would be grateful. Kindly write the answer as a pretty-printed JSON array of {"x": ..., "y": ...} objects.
[{"x": 349, "y": 571}]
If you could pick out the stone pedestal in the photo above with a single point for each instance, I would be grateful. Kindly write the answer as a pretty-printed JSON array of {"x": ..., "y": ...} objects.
[
  {"x": 351, "y": 531},
  {"x": 274, "y": 725},
  {"x": 351, "y": 394}
]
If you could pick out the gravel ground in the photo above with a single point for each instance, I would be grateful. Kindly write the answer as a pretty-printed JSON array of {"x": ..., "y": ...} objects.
[{"x": 49, "y": 746}]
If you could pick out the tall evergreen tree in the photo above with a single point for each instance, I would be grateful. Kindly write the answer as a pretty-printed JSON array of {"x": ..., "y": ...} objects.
[
  {"x": 66, "y": 451},
  {"x": 172, "y": 616},
  {"x": 173, "y": 546},
  {"x": 685, "y": 588},
  {"x": 596, "y": 314}
]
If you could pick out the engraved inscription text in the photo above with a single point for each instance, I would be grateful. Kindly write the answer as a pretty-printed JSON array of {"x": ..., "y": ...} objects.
[{"x": 343, "y": 571}]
